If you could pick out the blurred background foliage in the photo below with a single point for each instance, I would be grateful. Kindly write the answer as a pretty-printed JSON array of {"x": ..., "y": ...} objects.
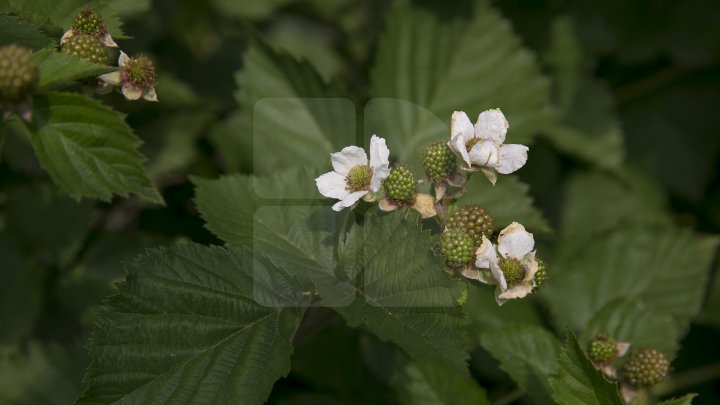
[{"x": 618, "y": 100}]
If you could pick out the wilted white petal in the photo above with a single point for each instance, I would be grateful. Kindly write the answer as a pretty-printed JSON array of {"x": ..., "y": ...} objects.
[
  {"x": 484, "y": 276},
  {"x": 387, "y": 205},
  {"x": 66, "y": 36},
  {"x": 489, "y": 174},
  {"x": 457, "y": 145},
  {"x": 485, "y": 153},
  {"x": 131, "y": 92},
  {"x": 485, "y": 254},
  {"x": 531, "y": 267},
  {"x": 456, "y": 179},
  {"x": 332, "y": 185},
  {"x": 460, "y": 125},
  {"x": 347, "y": 158},
  {"x": 349, "y": 200},
  {"x": 514, "y": 241},
  {"x": 622, "y": 348},
  {"x": 512, "y": 157},
  {"x": 123, "y": 59},
  {"x": 425, "y": 205},
  {"x": 112, "y": 78},
  {"x": 491, "y": 124},
  {"x": 518, "y": 291},
  {"x": 108, "y": 41},
  {"x": 150, "y": 95}
]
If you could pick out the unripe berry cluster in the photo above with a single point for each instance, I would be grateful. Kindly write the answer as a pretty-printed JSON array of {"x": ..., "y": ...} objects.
[
  {"x": 438, "y": 161},
  {"x": 89, "y": 21},
  {"x": 602, "y": 349},
  {"x": 141, "y": 72},
  {"x": 473, "y": 220},
  {"x": 542, "y": 275},
  {"x": 18, "y": 72},
  {"x": 86, "y": 47},
  {"x": 400, "y": 185},
  {"x": 645, "y": 368},
  {"x": 513, "y": 270},
  {"x": 456, "y": 247}
]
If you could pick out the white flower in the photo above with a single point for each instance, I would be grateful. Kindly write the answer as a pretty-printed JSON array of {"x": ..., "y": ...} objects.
[
  {"x": 136, "y": 77},
  {"x": 481, "y": 146},
  {"x": 353, "y": 177},
  {"x": 513, "y": 271}
]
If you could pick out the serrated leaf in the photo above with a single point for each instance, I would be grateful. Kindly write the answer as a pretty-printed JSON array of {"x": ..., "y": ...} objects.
[
  {"x": 403, "y": 293},
  {"x": 631, "y": 320},
  {"x": 297, "y": 119},
  {"x": 506, "y": 202},
  {"x": 424, "y": 70},
  {"x": 59, "y": 68},
  {"x": 88, "y": 149},
  {"x": 665, "y": 268},
  {"x": 485, "y": 315},
  {"x": 14, "y": 30},
  {"x": 429, "y": 383},
  {"x": 185, "y": 328},
  {"x": 61, "y": 12},
  {"x": 578, "y": 381},
  {"x": 684, "y": 400},
  {"x": 528, "y": 353}
]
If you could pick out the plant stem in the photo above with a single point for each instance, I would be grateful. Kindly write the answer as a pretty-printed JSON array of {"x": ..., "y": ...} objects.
[{"x": 510, "y": 397}]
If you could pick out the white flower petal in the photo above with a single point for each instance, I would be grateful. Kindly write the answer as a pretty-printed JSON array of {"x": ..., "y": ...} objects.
[
  {"x": 512, "y": 157},
  {"x": 491, "y": 124},
  {"x": 131, "y": 92},
  {"x": 66, "y": 36},
  {"x": 332, "y": 185},
  {"x": 482, "y": 276},
  {"x": 531, "y": 267},
  {"x": 518, "y": 291},
  {"x": 123, "y": 59},
  {"x": 349, "y": 200},
  {"x": 379, "y": 162},
  {"x": 347, "y": 158},
  {"x": 515, "y": 242},
  {"x": 112, "y": 78},
  {"x": 485, "y": 254},
  {"x": 460, "y": 125},
  {"x": 150, "y": 95},
  {"x": 108, "y": 41},
  {"x": 489, "y": 174},
  {"x": 457, "y": 145},
  {"x": 485, "y": 153}
]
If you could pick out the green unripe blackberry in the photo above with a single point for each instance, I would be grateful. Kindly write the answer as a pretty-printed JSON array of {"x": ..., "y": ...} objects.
[
  {"x": 645, "y": 368},
  {"x": 438, "y": 161},
  {"x": 141, "y": 72},
  {"x": 541, "y": 275},
  {"x": 89, "y": 21},
  {"x": 513, "y": 270},
  {"x": 602, "y": 349},
  {"x": 400, "y": 185},
  {"x": 18, "y": 72},
  {"x": 456, "y": 247},
  {"x": 472, "y": 219},
  {"x": 86, "y": 47}
]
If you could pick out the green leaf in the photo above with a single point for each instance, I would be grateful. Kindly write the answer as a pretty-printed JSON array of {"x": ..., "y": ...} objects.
[
  {"x": 21, "y": 292},
  {"x": 430, "y": 383},
  {"x": 44, "y": 375},
  {"x": 88, "y": 149},
  {"x": 249, "y": 9},
  {"x": 58, "y": 68},
  {"x": 631, "y": 320},
  {"x": 424, "y": 70},
  {"x": 684, "y": 400},
  {"x": 507, "y": 201},
  {"x": 402, "y": 292},
  {"x": 171, "y": 141},
  {"x": 667, "y": 269},
  {"x": 297, "y": 119},
  {"x": 578, "y": 381},
  {"x": 186, "y": 328},
  {"x": 14, "y": 30},
  {"x": 486, "y": 315},
  {"x": 528, "y": 353},
  {"x": 61, "y": 12}
]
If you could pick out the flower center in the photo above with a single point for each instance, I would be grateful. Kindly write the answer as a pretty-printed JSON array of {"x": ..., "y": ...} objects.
[
  {"x": 469, "y": 144},
  {"x": 359, "y": 178},
  {"x": 513, "y": 270},
  {"x": 141, "y": 72}
]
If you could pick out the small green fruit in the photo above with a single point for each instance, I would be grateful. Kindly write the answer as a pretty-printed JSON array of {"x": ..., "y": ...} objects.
[
  {"x": 141, "y": 72},
  {"x": 542, "y": 275},
  {"x": 602, "y": 349},
  {"x": 513, "y": 270},
  {"x": 86, "y": 47},
  {"x": 474, "y": 220},
  {"x": 645, "y": 368},
  {"x": 438, "y": 161},
  {"x": 456, "y": 247},
  {"x": 400, "y": 185},
  {"x": 89, "y": 21},
  {"x": 18, "y": 73}
]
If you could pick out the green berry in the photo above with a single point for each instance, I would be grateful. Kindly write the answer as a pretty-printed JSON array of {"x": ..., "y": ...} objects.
[
  {"x": 86, "y": 47},
  {"x": 456, "y": 247},
  {"x": 645, "y": 368},
  {"x": 358, "y": 178},
  {"x": 438, "y": 161},
  {"x": 542, "y": 275},
  {"x": 18, "y": 73},
  {"x": 141, "y": 72},
  {"x": 513, "y": 270},
  {"x": 89, "y": 21},
  {"x": 400, "y": 185},
  {"x": 602, "y": 349},
  {"x": 472, "y": 219}
]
